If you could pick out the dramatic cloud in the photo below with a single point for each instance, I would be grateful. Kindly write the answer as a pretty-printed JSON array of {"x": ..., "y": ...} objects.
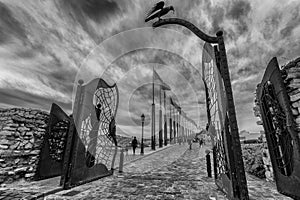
[{"x": 44, "y": 44}]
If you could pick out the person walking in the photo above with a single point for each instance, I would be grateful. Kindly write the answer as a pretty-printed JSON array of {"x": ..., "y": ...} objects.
[
  {"x": 208, "y": 163},
  {"x": 201, "y": 142},
  {"x": 134, "y": 144}
]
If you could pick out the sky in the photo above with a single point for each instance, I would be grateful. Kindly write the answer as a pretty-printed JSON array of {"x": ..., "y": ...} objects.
[{"x": 46, "y": 46}]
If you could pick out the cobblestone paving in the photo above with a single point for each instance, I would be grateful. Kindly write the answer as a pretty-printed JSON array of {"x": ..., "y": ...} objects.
[
  {"x": 261, "y": 189},
  {"x": 130, "y": 157},
  {"x": 170, "y": 173},
  {"x": 174, "y": 173}
]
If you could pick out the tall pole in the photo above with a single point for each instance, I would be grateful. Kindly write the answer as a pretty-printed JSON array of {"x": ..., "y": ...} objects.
[
  {"x": 165, "y": 122},
  {"x": 241, "y": 179},
  {"x": 153, "y": 115},
  {"x": 174, "y": 125},
  {"x": 177, "y": 117},
  {"x": 184, "y": 127},
  {"x": 170, "y": 121},
  {"x": 180, "y": 130},
  {"x": 160, "y": 137},
  {"x": 142, "y": 144}
]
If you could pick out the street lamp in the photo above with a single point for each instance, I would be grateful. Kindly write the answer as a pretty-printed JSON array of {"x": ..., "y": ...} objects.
[{"x": 142, "y": 143}]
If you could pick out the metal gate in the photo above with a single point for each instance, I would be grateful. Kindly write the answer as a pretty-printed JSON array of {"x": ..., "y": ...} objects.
[
  {"x": 280, "y": 129},
  {"x": 92, "y": 146},
  {"x": 228, "y": 164},
  {"x": 50, "y": 162}
]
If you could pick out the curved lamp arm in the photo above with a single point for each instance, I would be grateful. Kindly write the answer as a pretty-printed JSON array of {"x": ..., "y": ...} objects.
[{"x": 188, "y": 25}]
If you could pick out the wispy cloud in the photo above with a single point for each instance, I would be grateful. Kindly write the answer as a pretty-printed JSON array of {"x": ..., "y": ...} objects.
[{"x": 43, "y": 44}]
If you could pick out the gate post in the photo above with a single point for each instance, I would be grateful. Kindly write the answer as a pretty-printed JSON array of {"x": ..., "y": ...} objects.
[
  {"x": 121, "y": 161},
  {"x": 238, "y": 178},
  {"x": 64, "y": 181},
  {"x": 240, "y": 172}
]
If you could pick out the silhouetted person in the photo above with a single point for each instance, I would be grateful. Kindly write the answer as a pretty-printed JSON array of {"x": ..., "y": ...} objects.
[
  {"x": 98, "y": 111},
  {"x": 134, "y": 144},
  {"x": 207, "y": 127},
  {"x": 208, "y": 164},
  {"x": 201, "y": 142}
]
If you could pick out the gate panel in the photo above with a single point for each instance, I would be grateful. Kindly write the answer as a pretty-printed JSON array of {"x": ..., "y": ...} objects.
[
  {"x": 225, "y": 155},
  {"x": 280, "y": 129},
  {"x": 94, "y": 144},
  {"x": 52, "y": 150}
]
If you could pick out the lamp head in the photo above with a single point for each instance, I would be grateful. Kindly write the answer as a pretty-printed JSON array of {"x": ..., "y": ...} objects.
[{"x": 143, "y": 117}]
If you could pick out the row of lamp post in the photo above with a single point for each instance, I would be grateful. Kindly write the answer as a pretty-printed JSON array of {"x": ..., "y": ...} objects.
[{"x": 182, "y": 121}]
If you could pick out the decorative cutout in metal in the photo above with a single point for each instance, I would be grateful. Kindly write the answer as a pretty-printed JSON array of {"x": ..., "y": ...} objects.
[
  {"x": 280, "y": 128},
  {"x": 95, "y": 143},
  {"x": 240, "y": 189},
  {"x": 52, "y": 150},
  {"x": 225, "y": 167}
]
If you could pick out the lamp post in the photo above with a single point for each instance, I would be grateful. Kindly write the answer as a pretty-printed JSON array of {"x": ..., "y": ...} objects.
[{"x": 142, "y": 143}]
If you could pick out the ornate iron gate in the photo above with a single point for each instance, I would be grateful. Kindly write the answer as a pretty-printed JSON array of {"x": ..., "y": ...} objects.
[
  {"x": 54, "y": 143},
  {"x": 280, "y": 129},
  {"x": 92, "y": 148},
  {"x": 228, "y": 163}
]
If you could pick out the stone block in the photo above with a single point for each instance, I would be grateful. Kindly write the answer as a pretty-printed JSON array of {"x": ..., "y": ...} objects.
[
  {"x": 40, "y": 122},
  {"x": 5, "y": 133},
  {"x": 30, "y": 169},
  {"x": 28, "y": 125},
  {"x": 13, "y": 125},
  {"x": 34, "y": 112},
  {"x": 29, "y": 116},
  {"x": 8, "y": 128},
  {"x": 6, "y": 142},
  {"x": 4, "y": 146},
  {"x": 29, "y": 175},
  {"x": 11, "y": 173},
  {"x": 35, "y": 152},
  {"x": 28, "y": 146},
  {"x": 20, "y": 169},
  {"x": 18, "y": 119},
  {"x": 23, "y": 129}
]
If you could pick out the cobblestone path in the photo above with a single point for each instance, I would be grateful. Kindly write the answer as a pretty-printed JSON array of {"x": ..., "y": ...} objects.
[{"x": 170, "y": 173}]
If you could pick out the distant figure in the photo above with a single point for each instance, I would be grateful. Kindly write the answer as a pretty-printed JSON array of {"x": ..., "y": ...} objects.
[
  {"x": 134, "y": 144},
  {"x": 208, "y": 164},
  {"x": 190, "y": 143},
  {"x": 207, "y": 127},
  {"x": 201, "y": 142}
]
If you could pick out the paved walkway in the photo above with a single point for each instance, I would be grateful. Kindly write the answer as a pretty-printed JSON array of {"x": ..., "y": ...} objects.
[{"x": 174, "y": 172}]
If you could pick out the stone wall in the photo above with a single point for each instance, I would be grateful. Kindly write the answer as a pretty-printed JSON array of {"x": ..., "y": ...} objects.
[
  {"x": 21, "y": 134},
  {"x": 253, "y": 159}
]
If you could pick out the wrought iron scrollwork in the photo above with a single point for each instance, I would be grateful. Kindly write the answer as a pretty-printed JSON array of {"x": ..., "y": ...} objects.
[
  {"x": 225, "y": 155},
  {"x": 57, "y": 139},
  {"x": 54, "y": 143},
  {"x": 280, "y": 129},
  {"x": 94, "y": 145},
  {"x": 282, "y": 143}
]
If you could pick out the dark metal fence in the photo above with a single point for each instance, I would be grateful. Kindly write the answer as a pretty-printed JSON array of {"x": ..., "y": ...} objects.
[
  {"x": 280, "y": 129},
  {"x": 92, "y": 143},
  {"x": 54, "y": 143},
  {"x": 228, "y": 164}
]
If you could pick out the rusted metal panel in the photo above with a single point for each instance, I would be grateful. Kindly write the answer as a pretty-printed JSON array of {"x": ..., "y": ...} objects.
[
  {"x": 228, "y": 166},
  {"x": 94, "y": 143},
  {"x": 280, "y": 130},
  {"x": 52, "y": 150}
]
